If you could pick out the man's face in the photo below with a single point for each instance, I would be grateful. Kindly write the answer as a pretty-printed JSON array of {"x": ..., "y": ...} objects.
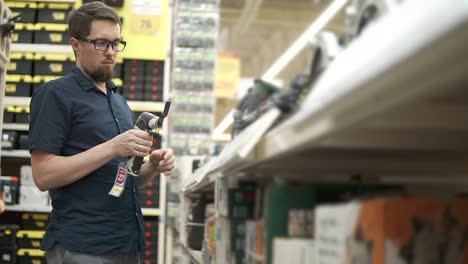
[{"x": 99, "y": 65}]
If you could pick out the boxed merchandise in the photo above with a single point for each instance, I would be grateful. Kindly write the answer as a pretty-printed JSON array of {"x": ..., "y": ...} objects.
[
  {"x": 23, "y": 33},
  {"x": 51, "y": 34},
  {"x": 10, "y": 188},
  {"x": 20, "y": 63},
  {"x": 27, "y": 10},
  {"x": 34, "y": 221},
  {"x": 22, "y": 114},
  {"x": 293, "y": 250},
  {"x": 53, "y": 64},
  {"x": 9, "y": 113},
  {"x": 53, "y": 12},
  {"x": 18, "y": 85},
  {"x": 30, "y": 239},
  {"x": 393, "y": 230},
  {"x": 9, "y": 140},
  {"x": 8, "y": 245},
  {"x": 8, "y": 236},
  {"x": 28, "y": 256},
  {"x": 38, "y": 80},
  {"x": 23, "y": 141}
]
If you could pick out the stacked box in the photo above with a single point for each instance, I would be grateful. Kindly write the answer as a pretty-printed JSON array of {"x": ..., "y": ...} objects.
[
  {"x": 153, "y": 84},
  {"x": 241, "y": 204},
  {"x": 9, "y": 114},
  {"x": 34, "y": 221},
  {"x": 28, "y": 256},
  {"x": 28, "y": 239},
  {"x": 10, "y": 188},
  {"x": 53, "y": 12},
  {"x": 53, "y": 64},
  {"x": 151, "y": 241},
  {"x": 27, "y": 10},
  {"x": 22, "y": 114},
  {"x": 18, "y": 85},
  {"x": 23, "y": 33},
  {"x": 149, "y": 195},
  {"x": 393, "y": 230},
  {"x": 8, "y": 245},
  {"x": 38, "y": 80},
  {"x": 9, "y": 140},
  {"x": 20, "y": 63},
  {"x": 133, "y": 76},
  {"x": 51, "y": 34}
]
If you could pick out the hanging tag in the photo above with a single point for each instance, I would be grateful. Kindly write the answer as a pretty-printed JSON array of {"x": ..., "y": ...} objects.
[{"x": 120, "y": 179}]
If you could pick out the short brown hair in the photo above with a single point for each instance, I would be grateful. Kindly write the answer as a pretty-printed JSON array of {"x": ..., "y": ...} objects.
[{"x": 79, "y": 20}]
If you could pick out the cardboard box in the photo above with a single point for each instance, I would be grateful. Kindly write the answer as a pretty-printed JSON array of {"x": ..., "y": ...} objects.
[{"x": 393, "y": 230}]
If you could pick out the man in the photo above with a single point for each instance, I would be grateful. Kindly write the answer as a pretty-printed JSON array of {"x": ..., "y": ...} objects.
[{"x": 80, "y": 135}]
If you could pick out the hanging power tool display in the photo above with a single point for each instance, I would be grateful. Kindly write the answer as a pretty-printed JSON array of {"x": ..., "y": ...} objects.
[
  {"x": 326, "y": 47},
  {"x": 361, "y": 13}
]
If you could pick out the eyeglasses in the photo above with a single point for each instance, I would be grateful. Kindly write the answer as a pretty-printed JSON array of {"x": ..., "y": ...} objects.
[{"x": 103, "y": 44}]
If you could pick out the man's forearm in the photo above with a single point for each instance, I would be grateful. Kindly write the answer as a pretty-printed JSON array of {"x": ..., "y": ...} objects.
[
  {"x": 147, "y": 174},
  {"x": 52, "y": 171}
]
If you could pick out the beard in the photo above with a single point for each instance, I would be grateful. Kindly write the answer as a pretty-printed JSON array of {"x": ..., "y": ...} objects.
[{"x": 101, "y": 74}]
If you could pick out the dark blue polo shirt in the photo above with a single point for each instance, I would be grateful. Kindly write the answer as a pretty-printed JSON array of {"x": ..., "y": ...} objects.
[{"x": 68, "y": 116}]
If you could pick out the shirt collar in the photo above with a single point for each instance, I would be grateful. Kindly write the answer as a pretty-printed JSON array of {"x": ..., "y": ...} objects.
[{"x": 86, "y": 84}]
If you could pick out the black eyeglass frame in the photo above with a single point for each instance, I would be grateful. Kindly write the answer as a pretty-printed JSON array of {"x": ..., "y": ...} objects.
[{"x": 109, "y": 43}]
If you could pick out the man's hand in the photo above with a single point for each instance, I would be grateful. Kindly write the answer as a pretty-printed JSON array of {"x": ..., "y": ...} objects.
[
  {"x": 163, "y": 161},
  {"x": 132, "y": 143}
]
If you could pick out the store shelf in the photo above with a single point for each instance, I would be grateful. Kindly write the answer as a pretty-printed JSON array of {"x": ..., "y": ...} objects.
[
  {"x": 16, "y": 100},
  {"x": 138, "y": 106},
  {"x": 28, "y": 208},
  {"x": 47, "y": 209},
  {"x": 46, "y": 48},
  {"x": 141, "y": 106},
  {"x": 16, "y": 127},
  {"x": 150, "y": 211},
  {"x": 20, "y": 153},
  {"x": 379, "y": 110}
]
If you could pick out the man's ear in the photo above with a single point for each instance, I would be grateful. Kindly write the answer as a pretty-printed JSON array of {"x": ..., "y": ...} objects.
[{"x": 74, "y": 44}]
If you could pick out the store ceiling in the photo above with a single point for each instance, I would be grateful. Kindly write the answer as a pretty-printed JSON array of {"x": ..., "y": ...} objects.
[{"x": 261, "y": 30}]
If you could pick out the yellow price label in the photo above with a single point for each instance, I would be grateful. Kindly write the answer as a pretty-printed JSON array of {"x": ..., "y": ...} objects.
[
  {"x": 56, "y": 67},
  {"x": 55, "y": 37},
  {"x": 11, "y": 66},
  {"x": 11, "y": 88},
  {"x": 146, "y": 24},
  {"x": 58, "y": 15}
]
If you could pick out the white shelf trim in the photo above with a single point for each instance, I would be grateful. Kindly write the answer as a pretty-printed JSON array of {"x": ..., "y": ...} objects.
[
  {"x": 16, "y": 127},
  {"x": 16, "y": 153},
  {"x": 46, "y": 48}
]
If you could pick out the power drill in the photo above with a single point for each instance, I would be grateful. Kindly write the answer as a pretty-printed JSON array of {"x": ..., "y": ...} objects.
[{"x": 151, "y": 124}]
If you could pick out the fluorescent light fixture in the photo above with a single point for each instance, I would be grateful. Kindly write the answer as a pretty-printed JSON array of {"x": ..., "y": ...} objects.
[
  {"x": 302, "y": 41},
  {"x": 290, "y": 53}
]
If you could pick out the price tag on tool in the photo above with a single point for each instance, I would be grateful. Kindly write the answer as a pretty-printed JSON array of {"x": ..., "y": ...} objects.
[{"x": 119, "y": 182}]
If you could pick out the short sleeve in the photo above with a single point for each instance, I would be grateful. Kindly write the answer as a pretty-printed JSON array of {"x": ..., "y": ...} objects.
[{"x": 50, "y": 119}]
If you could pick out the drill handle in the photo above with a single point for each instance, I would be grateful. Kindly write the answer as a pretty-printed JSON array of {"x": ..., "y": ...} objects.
[{"x": 134, "y": 165}]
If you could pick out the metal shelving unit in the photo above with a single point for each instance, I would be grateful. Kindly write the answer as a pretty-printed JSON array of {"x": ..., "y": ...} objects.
[
  {"x": 47, "y": 209},
  {"x": 13, "y": 126},
  {"x": 402, "y": 117},
  {"x": 391, "y": 108},
  {"x": 138, "y": 106}
]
